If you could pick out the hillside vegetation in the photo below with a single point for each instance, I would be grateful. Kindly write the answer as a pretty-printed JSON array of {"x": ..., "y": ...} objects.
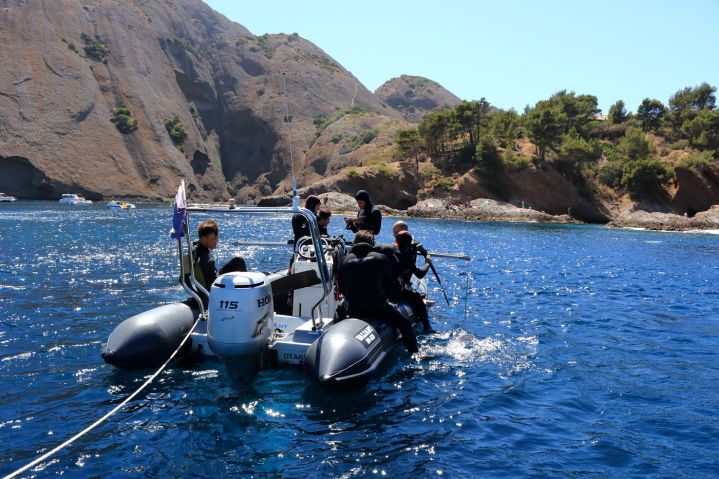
[{"x": 641, "y": 155}]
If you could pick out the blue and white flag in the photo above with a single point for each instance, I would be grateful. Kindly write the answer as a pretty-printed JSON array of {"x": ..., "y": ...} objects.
[{"x": 179, "y": 213}]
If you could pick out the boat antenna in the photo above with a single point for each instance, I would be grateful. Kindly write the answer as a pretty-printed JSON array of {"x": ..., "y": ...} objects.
[{"x": 295, "y": 198}]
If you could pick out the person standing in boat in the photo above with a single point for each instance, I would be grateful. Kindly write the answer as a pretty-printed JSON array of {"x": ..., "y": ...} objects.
[
  {"x": 369, "y": 217},
  {"x": 364, "y": 278},
  {"x": 203, "y": 259},
  {"x": 300, "y": 226},
  {"x": 399, "y": 226},
  {"x": 407, "y": 267}
]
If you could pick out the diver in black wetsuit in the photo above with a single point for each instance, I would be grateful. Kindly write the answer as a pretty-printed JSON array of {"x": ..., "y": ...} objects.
[
  {"x": 399, "y": 226},
  {"x": 369, "y": 217},
  {"x": 406, "y": 267},
  {"x": 203, "y": 260},
  {"x": 300, "y": 227},
  {"x": 364, "y": 277}
]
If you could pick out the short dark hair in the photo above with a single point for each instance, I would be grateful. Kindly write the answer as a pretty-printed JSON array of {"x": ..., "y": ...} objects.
[
  {"x": 206, "y": 228},
  {"x": 364, "y": 236},
  {"x": 324, "y": 213}
]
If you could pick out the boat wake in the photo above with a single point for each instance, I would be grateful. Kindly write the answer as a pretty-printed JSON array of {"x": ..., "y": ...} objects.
[{"x": 458, "y": 347}]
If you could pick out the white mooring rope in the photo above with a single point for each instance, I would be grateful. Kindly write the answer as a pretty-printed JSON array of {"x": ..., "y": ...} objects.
[{"x": 106, "y": 416}]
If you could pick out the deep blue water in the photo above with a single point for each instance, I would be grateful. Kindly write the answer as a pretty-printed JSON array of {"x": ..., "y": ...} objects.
[{"x": 583, "y": 352}]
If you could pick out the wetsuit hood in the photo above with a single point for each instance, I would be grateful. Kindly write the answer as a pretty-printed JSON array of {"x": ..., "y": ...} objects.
[
  {"x": 311, "y": 202},
  {"x": 364, "y": 196},
  {"x": 404, "y": 240}
]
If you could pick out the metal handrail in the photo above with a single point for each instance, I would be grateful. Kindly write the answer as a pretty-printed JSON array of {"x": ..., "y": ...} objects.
[
  {"x": 295, "y": 209},
  {"x": 193, "y": 280}
]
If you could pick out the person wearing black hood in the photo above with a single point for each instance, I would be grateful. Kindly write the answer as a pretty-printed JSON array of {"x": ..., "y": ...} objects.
[
  {"x": 300, "y": 227},
  {"x": 369, "y": 217}
]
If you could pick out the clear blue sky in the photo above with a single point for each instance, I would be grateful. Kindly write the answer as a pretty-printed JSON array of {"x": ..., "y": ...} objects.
[{"x": 512, "y": 52}]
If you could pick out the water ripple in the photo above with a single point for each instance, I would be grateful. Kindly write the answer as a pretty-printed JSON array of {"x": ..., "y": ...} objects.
[{"x": 582, "y": 351}]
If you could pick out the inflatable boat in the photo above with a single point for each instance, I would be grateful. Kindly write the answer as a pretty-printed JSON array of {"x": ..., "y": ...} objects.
[{"x": 244, "y": 320}]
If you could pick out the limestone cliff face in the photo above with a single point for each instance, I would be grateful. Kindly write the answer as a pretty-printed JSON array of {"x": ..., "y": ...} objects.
[{"x": 69, "y": 64}]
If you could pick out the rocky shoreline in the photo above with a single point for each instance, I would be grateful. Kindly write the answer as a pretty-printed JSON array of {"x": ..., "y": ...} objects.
[
  {"x": 484, "y": 209},
  {"x": 704, "y": 220}
]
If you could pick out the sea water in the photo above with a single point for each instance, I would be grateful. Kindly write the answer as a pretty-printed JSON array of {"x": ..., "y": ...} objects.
[{"x": 565, "y": 351}]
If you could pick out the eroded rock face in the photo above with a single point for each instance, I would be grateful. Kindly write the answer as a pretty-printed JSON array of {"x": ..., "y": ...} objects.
[
  {"x": 537, "y": 189},
  {"x": 695, "y": 192},
  {"x": 69, "y": 65}
]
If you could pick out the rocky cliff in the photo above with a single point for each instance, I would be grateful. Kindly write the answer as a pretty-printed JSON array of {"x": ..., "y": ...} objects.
[
  {"x": 123, "y": 98},
  {"x": 415, "y": 96},
  {"x": 195, "y": 95}
]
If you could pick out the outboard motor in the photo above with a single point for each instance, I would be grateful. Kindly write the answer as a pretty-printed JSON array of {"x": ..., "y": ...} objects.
[{"x": 240, "y": 319}]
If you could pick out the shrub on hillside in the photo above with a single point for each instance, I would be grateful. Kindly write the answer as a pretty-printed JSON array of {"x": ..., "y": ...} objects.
[
  {"x": 124, "y": 120},
  {"x": 362, "y": 138},
  {"x": 174, "y": 127},
  {"x": 702, "y": 131},
  {"x": 610, "y": 174},
  {"x": 632, "y": 164},
  {"x": 445, "y": 183},
  {"x": 94, "y": 48},
  {"x": 429, "y": 171},
  {"x": 514, "y": 162},
  {"x": 193, "y": 110},
  {"x": 575, "y": 151},
  {"x": 488, "y": 164},
  {"x": 699, "y": 162},
  {"x": 180, "y": 42},
  {"x": 606, "y": 130},
  {"x": 644, "y": 175},
  {"x": 324, "y": 122}
]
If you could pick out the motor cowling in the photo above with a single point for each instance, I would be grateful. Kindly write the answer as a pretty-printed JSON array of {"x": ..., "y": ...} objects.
[{"x": 240, "y": 314}]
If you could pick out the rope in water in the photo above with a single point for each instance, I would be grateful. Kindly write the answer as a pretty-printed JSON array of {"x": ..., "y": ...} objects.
[
  {"x": 466, "y": 293},
  {"x": 106, "y": 416}
]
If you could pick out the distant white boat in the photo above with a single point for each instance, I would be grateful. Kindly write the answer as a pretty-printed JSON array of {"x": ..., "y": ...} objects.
[
  {"x": 6, "y": 198},
  {"x": 120, "y": 205},
  {"x": 73, "y": 199}
]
